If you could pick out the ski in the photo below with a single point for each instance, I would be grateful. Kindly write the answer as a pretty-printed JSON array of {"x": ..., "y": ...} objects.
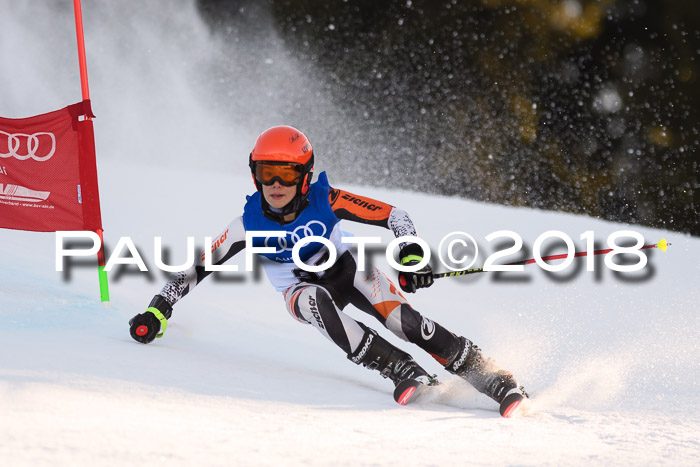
[
  {"x": 511, "y": 403},
  {"x": 408, "y": 391}
]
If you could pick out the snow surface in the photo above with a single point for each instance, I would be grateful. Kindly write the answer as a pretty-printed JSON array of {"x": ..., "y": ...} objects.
[
  {"x": 611, "y": 361},
  {"x": 611, "y": 365}
]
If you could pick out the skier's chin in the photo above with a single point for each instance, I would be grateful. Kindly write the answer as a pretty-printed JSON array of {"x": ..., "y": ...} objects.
[{"x": 278, "y": 201}]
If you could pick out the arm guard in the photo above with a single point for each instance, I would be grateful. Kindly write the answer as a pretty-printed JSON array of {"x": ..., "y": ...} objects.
[
  {"x": 223, "y": 248},
  {"x": 365, "y": 210}
]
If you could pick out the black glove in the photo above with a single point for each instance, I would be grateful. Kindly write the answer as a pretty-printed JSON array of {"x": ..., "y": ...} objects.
[
  {"x": 146, "y": 326},
  {"x": 411, "y": 281}
]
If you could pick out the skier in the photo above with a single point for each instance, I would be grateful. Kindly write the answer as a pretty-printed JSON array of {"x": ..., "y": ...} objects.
[{"x": 282, "y": 167}]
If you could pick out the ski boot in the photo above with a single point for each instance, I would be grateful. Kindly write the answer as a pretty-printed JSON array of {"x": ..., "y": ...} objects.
[
  {"x": 482, "y": 373},
  {"x": 409, "y": 378}
]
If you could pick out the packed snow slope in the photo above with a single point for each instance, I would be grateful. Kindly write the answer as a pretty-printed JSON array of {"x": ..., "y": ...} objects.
[{"x": 610, "y": 360}]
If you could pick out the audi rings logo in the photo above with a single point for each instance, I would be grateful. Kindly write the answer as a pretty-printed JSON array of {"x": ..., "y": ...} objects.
[
  {"x": 39, "y": 146},
  {"x": 311, "y": 229}
]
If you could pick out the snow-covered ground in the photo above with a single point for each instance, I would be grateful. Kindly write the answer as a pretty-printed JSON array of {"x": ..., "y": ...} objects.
[
  {"x": 610, "y": 360},
  {"x": 611, "y": 365}
]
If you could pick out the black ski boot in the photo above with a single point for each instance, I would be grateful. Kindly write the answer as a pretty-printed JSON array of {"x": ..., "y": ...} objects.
[
  {"x": 375, "y": 353},
  {"x": 482, "y": 373}
]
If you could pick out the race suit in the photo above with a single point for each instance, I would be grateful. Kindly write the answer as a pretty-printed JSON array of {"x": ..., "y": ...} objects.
[{"x": 319, "y": 298}]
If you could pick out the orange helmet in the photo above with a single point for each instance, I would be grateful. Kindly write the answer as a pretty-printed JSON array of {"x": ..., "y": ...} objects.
[{"x": 284, "y": 145}]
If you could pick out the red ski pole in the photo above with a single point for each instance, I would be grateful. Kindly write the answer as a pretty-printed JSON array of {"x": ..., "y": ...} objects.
[{"x": 661, "y": 245}]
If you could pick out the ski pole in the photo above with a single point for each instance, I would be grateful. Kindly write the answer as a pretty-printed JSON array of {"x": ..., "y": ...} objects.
[{"x": 661, "y": 245}]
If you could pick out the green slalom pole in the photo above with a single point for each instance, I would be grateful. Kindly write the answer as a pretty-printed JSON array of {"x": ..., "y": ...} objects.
[
  {"x": 82, "y": 62},
  {"x": 101, "y": 273}
]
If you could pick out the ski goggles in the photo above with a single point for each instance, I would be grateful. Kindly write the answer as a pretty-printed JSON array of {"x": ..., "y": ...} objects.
[{"x": 286, "y": 173}]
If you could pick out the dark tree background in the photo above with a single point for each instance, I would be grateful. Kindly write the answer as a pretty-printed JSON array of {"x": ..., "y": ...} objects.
[{"x": 587, "y": 106}]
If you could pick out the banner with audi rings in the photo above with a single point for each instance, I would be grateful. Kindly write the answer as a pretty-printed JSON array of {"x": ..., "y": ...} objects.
[{"x": 48, "y": 174}]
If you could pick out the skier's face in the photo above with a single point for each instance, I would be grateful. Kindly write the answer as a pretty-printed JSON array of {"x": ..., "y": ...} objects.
[{"x": 277, "y": 195}]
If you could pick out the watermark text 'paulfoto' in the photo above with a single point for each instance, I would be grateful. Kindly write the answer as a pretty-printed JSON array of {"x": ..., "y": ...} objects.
[{"x": 463, "y": 258}]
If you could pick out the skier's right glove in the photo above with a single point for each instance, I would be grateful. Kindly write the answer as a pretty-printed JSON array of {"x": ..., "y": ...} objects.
[{"x": 146, "y": 326}]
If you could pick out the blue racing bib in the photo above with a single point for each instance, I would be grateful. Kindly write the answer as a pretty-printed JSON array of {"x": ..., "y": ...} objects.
[{"x": 317, "y": 219}]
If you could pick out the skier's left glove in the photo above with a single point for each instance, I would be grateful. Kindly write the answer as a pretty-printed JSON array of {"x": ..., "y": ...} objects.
[
  {"x": 411, "y": 281},
  {"x": 146, "y": 326}
]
